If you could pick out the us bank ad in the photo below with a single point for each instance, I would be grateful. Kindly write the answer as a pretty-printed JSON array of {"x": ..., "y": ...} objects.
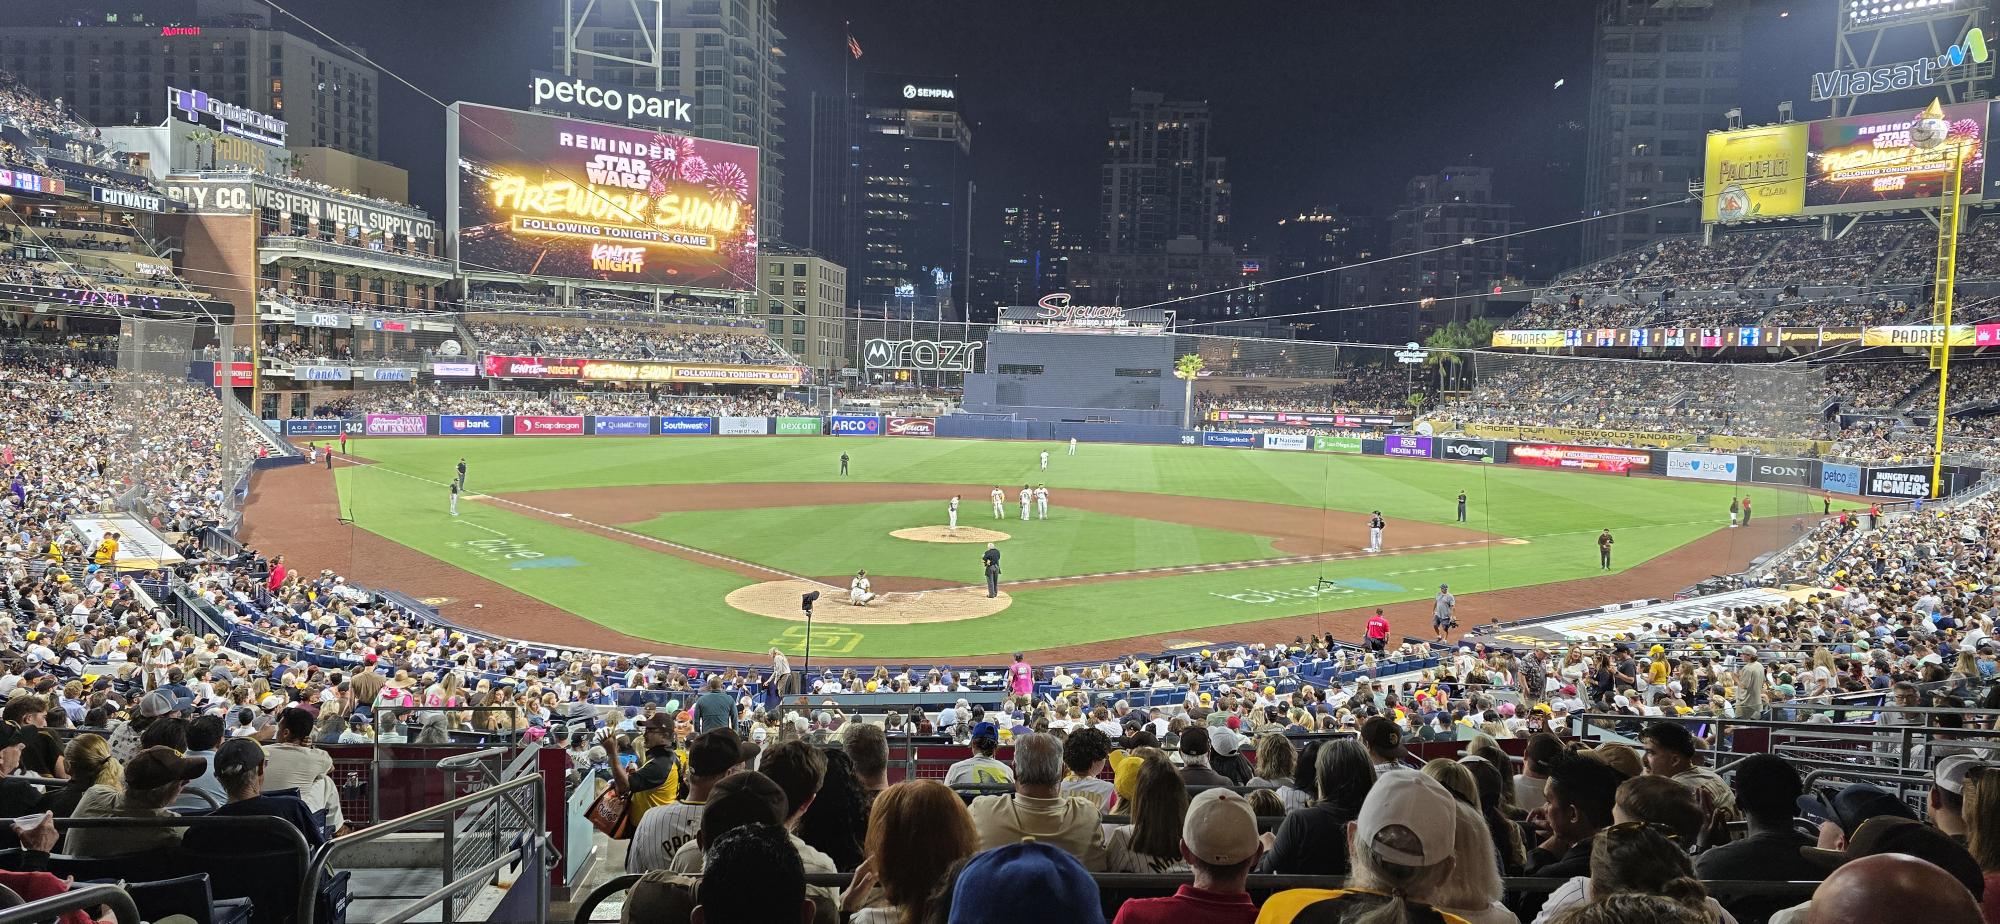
[{"x": 547, "y": 196}]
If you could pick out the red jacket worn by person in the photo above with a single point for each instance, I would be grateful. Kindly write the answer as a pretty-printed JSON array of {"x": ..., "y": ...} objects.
[{"x": 1190, "y": 905}]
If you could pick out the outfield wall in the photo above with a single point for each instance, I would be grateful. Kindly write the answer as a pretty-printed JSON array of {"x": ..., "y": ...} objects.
[{"x": 1894, "y": 483}]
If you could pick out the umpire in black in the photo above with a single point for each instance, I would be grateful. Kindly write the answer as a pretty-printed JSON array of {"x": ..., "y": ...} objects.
[{"x": 992, "y": 560}]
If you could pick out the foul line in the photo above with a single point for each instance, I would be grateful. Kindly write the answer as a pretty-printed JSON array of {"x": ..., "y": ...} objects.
[
  {"x": 1169, "y": 570},
  {"x": 493, "y": 498}
]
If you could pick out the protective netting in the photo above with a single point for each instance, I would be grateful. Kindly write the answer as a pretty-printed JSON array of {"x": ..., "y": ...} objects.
[{"x": 180, "y": 444}]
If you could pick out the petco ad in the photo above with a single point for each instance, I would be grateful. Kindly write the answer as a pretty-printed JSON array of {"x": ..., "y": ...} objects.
[
  {"x": 526, "y": 425},
  {"x": 1844, "y": 479},
  {"x": 395, "y": 425},
  {"x": 1707, "y": 466},
  {"x": 621, "y": 426},
  {"x": 687, "y": 426},
  {"x": 743, "y": 426},
  {"x": 854, "y": 426},
  {"x": 471, "y": 425},
  {"x": 911, "y": 426},
  {"x": 1287, "y": 441},
  {"x": 1415, "y": 447}
]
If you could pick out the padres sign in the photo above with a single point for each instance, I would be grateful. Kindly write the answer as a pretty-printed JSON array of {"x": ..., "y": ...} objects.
[{"x": 927, "y": 355}]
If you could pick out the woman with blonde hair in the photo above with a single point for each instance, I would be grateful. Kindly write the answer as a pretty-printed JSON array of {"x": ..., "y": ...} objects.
[
  {"x": 1454, "y": 778},
  {"x": 1982, "y": 832},
  {"x": 916, "y": 830},
  {"x": 90, "y": 764}
]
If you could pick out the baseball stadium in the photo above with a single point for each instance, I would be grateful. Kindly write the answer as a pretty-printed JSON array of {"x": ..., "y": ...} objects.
[{"x": 570, "y": 530}]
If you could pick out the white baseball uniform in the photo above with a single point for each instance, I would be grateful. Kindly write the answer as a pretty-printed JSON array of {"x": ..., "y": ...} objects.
[
  {"x": 1072, "y": 445},
  {"x": 1045, "y": 460},
  {"x": 999, "y": 504},
  {"x": 954, "y": 513},
  {"x": 1042, "y": 503},
  {"x": 858, "y": 593},
  {"x": 1027, "y": 503}
]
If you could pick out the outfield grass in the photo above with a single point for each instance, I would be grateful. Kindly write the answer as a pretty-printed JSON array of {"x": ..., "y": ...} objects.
[{"x": 652, "y": 595}]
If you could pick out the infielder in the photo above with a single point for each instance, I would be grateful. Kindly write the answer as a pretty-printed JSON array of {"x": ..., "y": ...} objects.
[
  {"x": 999, "y": 503},
  {"x": 1045, "y": 460},
  {"x": 954, "y": 513},
  {"x": 1072, "y": 445},
  {"x": 1027, "y": 501},
  {"x": 858, "y": 591},
  {"x": 1042, "y": 502},
  {"x": 1375, "y": 524},
  {"x": 454, "y": 498}
]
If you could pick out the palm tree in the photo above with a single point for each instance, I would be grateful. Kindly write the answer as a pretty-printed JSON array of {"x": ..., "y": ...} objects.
[
  {"x": 1187, "y": 369},
  {"x": 1444, "y": 344}
]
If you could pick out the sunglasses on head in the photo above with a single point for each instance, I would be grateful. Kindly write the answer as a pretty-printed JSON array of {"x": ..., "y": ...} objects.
[{"x": 1653, "y": 826}]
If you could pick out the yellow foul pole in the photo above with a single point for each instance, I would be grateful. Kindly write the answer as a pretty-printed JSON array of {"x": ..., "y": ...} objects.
[{"x": 1947, "y": 275}]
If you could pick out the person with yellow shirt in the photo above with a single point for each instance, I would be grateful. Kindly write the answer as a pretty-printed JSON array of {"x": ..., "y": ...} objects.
[
  {"x": 107, "y": 551},
  {"x": 657, "y": 781}
]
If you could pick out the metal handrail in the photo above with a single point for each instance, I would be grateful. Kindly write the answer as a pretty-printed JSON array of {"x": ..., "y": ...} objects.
[
  {"x": 467, "y": 759},
  {"x": 323, "y": 858},
  {"x": 75, "y": 899}
]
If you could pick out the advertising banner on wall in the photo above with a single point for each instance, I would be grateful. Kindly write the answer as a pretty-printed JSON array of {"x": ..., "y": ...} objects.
[
  {"x": 395, "y": 425},
  {"x": 742, "y": 426},
  {"x": 1840, "y": 478},
  {"x": 621, "y": 426},
  {"x": 1765, "y": 470},
  {"x": 843, "y": 425},
  {"x": 910, "y": 426},
  {"x": 1346, "y": 444},
  {"x": 301, "y": 427},
  {"x": 471, "y": 425},
  {"x": 687, "y": 426},
  {"x": 1529, "y": 339},
  {"x": 1901, "y": 481},
  {"x": 1412, "y": 447},
  {"x": 620, "y": 370},
  {"x": 1918, "y": 335},
  {"x": 1464, "y": 450},
  {"x": 532, "y": 367},
  {"x": 543, "y": 425},
  {"x": 1227, "y": 438},
  {"x": 321, "y": 373},
  {"x": 1287, "y": 441},
  {"x": 1707, "y": 466},
  {"x": 1986, "y": 335},
  {"x": 1306, "y": 419},
  {"x": 1860, "y": 162},
  {"x": 1755, "y": 173},
  {"x": 552, "y": 196},
  {"x": 1577, "y": 435},
  {"x": 392, "y": 374},
  {"x": 454, "y": 370},
  {"x": 1587, "y": 458},
  {"x": 241, "y": 375},
  {"x": 796, "y": 426}
]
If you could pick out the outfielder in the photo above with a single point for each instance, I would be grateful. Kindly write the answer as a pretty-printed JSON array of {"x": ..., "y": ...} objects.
[
  {"x": 1042, "y": 502},
  {"x": 1072, "y": 445},
  {"x": 1027, "y": 502},
  {"x": 954, "y": 513},
  {"x": 999, "y": 503},
  {"x": 858, "y": 591},
  {"x": 1045, "y": 460},
  {"x": 1375, "y": 524}
]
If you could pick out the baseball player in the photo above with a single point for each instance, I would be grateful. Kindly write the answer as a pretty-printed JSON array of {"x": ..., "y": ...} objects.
[
  {"x": 858, "y": 590},
  {"x": 953, "y": 509},
  {"x": 1375, "y": 524},
  {"x": 454, "y": 498},
  {"x": 1042, "y": 502},
  {"x": 1045, "y": 460},
  {"x": 999, "y": 503},
  {"x": 1027, "y": 502},
  {"x": 1072, "y": 445},
  {"x": 1461, "y": 506}
]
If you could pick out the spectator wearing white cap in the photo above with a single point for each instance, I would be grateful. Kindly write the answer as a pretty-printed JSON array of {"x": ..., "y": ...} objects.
[
  {"x": 1946, "y": 802},
  {"x": 1402, "y": 850},
  {"x": 1220, "y": 844}
]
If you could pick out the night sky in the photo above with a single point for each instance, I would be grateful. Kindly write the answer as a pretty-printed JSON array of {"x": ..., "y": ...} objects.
[{"x": 1333, "y": 102}]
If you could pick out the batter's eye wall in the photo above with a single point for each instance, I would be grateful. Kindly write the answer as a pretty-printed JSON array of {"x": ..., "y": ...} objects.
[{"x": 1080, "y": 377}]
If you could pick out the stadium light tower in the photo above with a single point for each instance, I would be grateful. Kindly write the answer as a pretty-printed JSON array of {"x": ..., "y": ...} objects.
[{"x": 1931, "y": 130}]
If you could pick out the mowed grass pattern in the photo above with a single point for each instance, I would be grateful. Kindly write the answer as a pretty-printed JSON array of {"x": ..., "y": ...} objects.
[{"x": 652, "y": 595}]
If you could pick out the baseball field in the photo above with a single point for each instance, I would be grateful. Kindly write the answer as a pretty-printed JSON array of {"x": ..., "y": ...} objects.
[{"x": 705, "y": 543}]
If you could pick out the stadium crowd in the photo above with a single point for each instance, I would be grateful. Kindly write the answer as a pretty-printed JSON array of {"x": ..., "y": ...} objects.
[
  {"x": 693, "y": 402},
  {"x": 627, "y": 342}
]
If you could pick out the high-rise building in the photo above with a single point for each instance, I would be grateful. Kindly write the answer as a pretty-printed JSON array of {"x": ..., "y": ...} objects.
[
  {"x": 113, "y": 62},
  {"x": 722, "y": 57},
  {"x": 804, "y": 305},
  {"x": 907, "y": 231},
  {"x": 1661, "y": 76},
  {"x": 1035, "y": 249},
  {"x": 1168, "y": 278},
  {"x": 834, "y": 176},
  {"x": 1159, "y": 181},
  {"x": 1449, "y": 236}
]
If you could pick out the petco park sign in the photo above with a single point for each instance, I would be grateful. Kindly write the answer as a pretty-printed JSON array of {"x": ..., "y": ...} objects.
[
  {"x": 928, "y": 355},
  {"x": 572, "y": 96}
]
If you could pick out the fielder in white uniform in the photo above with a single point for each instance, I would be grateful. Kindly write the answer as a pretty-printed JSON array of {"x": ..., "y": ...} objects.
[
  {"x": 1072, "y": 445},
  {"x": 999, "y": 504},
  {"x": 1027, "y": 502},
  {"x": 1042, "y": 502},
  {"x": 1045, "y": 460},
  {"x": 1375, "y": 524},
  {"x": 454, "y": 498},
  {"x": 858, "y": 593},
  {"x": 954, "y": 513}
]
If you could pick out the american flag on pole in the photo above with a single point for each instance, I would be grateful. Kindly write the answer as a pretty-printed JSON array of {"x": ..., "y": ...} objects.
[{"x": 853, "y": 47}]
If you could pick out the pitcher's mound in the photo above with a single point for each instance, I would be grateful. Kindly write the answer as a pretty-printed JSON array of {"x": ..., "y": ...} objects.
[
  {"x": 780, "y": 600},
  {"x": 944, "y": 534}
]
